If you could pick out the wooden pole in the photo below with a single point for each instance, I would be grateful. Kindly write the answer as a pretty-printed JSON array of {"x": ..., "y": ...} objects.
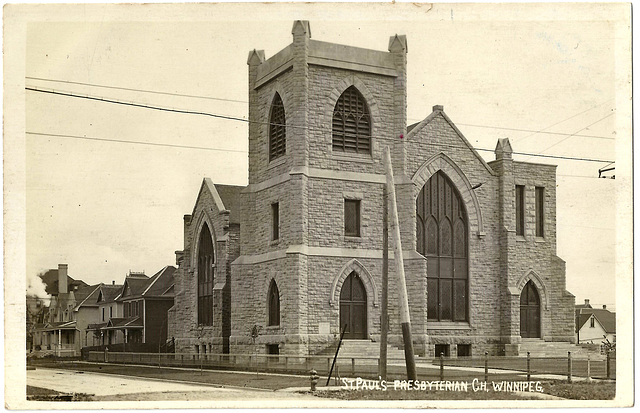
[
  {"x": 405, "y": 320},
  {"x": 384, "y": 310}
]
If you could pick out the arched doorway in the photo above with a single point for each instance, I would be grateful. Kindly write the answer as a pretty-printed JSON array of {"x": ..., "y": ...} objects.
[
  {"x": 353, "y": 308},
  {"x": 530, "y": 311}
]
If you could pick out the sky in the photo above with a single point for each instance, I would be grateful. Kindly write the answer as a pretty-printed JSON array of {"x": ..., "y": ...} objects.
[{"x": 107, "y": 207}]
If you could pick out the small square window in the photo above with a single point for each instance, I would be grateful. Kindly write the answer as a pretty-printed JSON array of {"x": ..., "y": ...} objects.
[
  {"x": 351, "y": 218},
  {"x": 442, "y": 349},
  {"x": 464, "y": 350},
  {"x": 275, "y": 219}
]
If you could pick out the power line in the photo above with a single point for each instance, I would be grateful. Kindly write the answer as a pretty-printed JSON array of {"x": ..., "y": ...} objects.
[
  {"x": 564, "y": 120},
  {"x": 551, "y": 156},
  {"x": 244, "y": 101},
  {"x": 139, "y": 105},
  {"x": 89, "y": 138},
  {"x": 135, "y": 90},
  {"x": 235, "y": 119},
  {"x": 540, "y": 131},
  {"x": 591, "y": 124}
]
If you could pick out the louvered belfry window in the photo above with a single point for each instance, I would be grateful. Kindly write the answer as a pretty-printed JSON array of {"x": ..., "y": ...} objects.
[
  {"x": 351, "y": 123},
  {"x": 277, "y": 129},
  {"x": 442, "y": 231}
]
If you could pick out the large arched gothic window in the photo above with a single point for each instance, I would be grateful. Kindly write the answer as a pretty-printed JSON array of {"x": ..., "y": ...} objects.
[
  {"x": 274, "y": 304},
  {"x": 277, "y": 129},
  {"x": 351, "y": 123},
  {"x": 206, "y": 262},
  {"x": 442, "y": 228}
]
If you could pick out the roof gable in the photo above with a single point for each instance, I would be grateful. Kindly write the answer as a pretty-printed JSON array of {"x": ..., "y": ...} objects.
[
  {"x": 160, "y": 282},
  {"x": 438, "y": 112}
]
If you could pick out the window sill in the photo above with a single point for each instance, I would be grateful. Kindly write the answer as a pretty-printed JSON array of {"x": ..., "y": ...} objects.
[
  {"x": 540, "y": 239},
  {"x": 448, "y": 325},
  {"x": 280, "y": 160},
  {"x": 520, "y": 238},
  {"x": 274, "y": 242},
  {"x": 353, "y": 238},
  {"x": 351, "y": 157},
  {"x": 272, "y": 328}
]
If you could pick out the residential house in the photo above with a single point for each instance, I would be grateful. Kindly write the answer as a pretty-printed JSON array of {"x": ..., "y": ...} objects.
[{"x": 594, "y": 325}]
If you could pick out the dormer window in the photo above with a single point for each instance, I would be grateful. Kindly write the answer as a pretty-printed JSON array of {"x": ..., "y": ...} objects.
[
  {"x": 277, "y": 129},
  {"x": 351, "y": 128}
]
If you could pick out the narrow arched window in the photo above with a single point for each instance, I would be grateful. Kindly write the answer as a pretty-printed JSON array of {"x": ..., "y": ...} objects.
[
  {"x": 351, "y": 128},
  {"x": 277, "y": 129},
  {"x": 273, "y": 304},
  {"x": 206, "y": 262},
  {"x": 443, "y": 229}
]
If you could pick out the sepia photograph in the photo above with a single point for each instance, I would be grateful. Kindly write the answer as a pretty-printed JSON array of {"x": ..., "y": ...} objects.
[{"x": 338, "y": 205}]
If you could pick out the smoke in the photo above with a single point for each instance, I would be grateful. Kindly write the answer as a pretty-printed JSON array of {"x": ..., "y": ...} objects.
[{"x": 35, "y": 287}]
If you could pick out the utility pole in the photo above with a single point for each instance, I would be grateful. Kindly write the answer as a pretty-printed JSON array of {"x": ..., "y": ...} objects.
[
  {"x": 405, "y": 320},
  {"x": 384, "y": 310}
]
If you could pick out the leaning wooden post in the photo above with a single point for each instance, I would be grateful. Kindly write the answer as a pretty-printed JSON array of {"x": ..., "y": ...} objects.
[
  {"x": 608, "y": 364},
  {"x": 588, "y": 367},
  {"x": 441, "y": 366},
  {"x": 402, "y": 284},
  {"x": 384, "y": 311},
  {"x": 528, "y": 366},
  {"x": 569, "y": 367}
]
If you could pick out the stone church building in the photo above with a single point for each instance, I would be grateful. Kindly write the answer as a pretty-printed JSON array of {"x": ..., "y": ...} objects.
[{"x": 296, "y": 254}]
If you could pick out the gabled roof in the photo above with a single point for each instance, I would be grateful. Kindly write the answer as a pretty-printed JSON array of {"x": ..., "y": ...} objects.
[
  {"x": 225, "y": 197},
  {"x": 115, "y": 323},
  {"x": 108, "y": 293},
  {"x": 230, "y": 195},
  {"x": 133, "y": 286},
  {"x": 59, "y": 325},
  {"x": 158, "y": 285},
  {"x": 439, "y": 111},
  {"x": 606, "y": 318},
  {"x": 160, "y": 282},
  {"x": 87, "y": 296}
]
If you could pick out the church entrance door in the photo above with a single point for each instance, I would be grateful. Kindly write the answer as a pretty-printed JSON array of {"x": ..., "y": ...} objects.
[
  {"x": 529, "y": 312},
  {"x": 353, "y": 308}
]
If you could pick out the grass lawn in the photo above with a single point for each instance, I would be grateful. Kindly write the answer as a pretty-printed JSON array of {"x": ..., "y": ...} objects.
[
  {"x": 582, "y": 390},
  {"x": 40, "y": 394}
]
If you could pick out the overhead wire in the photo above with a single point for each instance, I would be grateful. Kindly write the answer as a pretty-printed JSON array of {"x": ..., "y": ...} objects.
[
  {"x": 234, "y": 118},
  {"x": 244, "y": 101}
]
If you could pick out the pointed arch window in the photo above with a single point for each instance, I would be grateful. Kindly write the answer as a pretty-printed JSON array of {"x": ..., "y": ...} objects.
[
  {"x": 273, "y": 304},
  {"x": 442, "y": 226},
  {"x": 351, "y": 127},
  {"x": 206, "y": 263},
  {"x": 277, "y": 129}
]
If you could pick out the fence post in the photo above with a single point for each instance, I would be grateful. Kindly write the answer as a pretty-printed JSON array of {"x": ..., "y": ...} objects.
[
  {"x": 353, "y": 366},
  {"x": 528, "y": 366},
  {"x": 486, "y": 366},
  {"x": 569, "y": 367},
  {"x": 441, "y": 366},
  {"x": 608, "y": 364},
  {"x": 588, "y": 367}
]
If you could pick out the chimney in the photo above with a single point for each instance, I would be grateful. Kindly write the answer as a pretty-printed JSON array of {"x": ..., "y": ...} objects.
[
  {"x": 586, "y": 301},
  {"x": 62, "y": 279},
  {"x": 604, "y": 306}
]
